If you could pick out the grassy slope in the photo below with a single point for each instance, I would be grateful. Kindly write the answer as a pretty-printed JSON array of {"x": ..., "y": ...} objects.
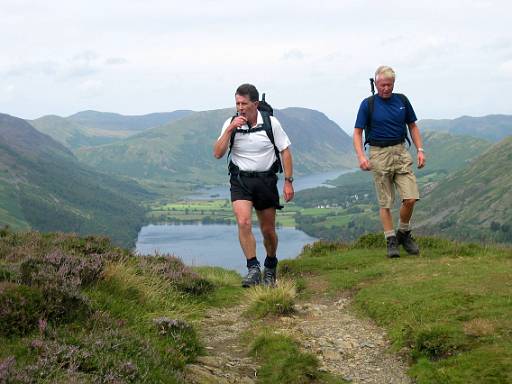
[
  {"x": 449, "y": 310},
  {"x": 113, "y": 334},
  {"x": 468, "y": 201},
  {"x": 11, "y": 212},
  {"x": 44, "y": 187},
  {"x": 110, "y": 316}
]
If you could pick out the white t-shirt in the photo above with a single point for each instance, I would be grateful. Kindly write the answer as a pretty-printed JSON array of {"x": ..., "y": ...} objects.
[{"x": 254, "y": 151}]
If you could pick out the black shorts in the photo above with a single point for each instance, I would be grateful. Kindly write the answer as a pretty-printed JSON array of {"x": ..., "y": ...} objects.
[{"x": 261, "y": 190}]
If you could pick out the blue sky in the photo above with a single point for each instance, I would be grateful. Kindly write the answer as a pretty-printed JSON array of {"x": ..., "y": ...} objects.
[{"x": 452, "y": 58}]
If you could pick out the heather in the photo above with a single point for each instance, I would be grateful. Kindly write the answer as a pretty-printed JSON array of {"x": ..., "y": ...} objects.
[{"x": 78, "y": 309}]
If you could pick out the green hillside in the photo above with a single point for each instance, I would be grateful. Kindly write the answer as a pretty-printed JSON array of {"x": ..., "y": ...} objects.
[
  {"x": 449, "y": 152},
  {"x": 182, "y": 150},
  {"x": 350, "y": 209},
  {"x": 44, "y": 187},
  {"x": 91, "y": 128},
  {"x": 116, "y": 122},
  {"x": 490, "y": 127},
  {"x": 78, "y": 310},
  {"x": 70, "y": 134},
  {"x": 474, "y": 202}
]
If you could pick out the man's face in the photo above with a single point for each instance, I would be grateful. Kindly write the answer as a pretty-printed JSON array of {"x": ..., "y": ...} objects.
[
  {"x": 245, "y": 106},
  {"x": 385, "y": 87}
]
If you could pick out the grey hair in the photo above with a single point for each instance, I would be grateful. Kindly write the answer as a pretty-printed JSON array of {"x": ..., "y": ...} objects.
[{"x": 384, "y": 72}]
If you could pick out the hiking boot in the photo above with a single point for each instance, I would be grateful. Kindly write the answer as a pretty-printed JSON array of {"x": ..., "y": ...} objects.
[
  {"x": 392, "y": 244},
  {"x": 269, "y": 277},
  {"x": 253, "y": 277},
  {"x": 407, "y": 241}
]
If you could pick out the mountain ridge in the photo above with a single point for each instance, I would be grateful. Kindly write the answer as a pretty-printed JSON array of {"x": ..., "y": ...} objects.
[
  {"x": 92, "y": 128},
  {"x": 490, "y": 127},
  {"x": 43, "y": 186},
  {"x": 161, "y": 153}
]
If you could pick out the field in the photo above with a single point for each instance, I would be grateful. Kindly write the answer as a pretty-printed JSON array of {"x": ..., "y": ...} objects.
[{"x": 209, "y": 211}]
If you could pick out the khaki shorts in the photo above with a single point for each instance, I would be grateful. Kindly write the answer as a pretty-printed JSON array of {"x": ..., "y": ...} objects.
[{"x": 393, "y": 166}]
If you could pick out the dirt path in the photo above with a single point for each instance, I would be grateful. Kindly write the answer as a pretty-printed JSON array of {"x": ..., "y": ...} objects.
[{"x": 350, "y": 347}]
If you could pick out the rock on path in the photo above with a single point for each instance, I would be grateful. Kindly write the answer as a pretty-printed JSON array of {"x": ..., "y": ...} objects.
[{"x": 346, "y": 345}]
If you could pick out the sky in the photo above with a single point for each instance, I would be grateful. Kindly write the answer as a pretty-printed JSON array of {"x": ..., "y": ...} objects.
[{"x": 135, "y": 57}]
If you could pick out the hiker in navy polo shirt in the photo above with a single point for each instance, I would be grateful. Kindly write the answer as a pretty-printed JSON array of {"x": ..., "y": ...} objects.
[
  {"x": 257, "y": 143},
  {"x": 385, "y": 118}
]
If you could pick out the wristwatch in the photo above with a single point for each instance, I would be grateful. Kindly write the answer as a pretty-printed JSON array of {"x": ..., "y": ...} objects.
[
  {"x": 420, "y": 150},
  {"x": 290, "y": 179}
]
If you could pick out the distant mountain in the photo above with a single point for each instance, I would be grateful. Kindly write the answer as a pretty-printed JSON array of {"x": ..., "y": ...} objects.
[
  {"x": 91, "y": 128},
  {"x": 44, "y": 187},
  {"x": 476, "y": 201},
  {"x": 448, "y": 152},
  {"x": 318, "y": 143},
  {"x": 182, "y": 150},
  {"x": 70, "y": 134},
  {"x": 114, "y": 121},
  {"x": 490, "y": 127}
]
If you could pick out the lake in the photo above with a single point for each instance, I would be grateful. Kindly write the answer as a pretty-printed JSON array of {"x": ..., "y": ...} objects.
[
  {"x": 213, "y": 244},
  {"x": 300, "y": 183},
  {"x": 217, "y": 244}
]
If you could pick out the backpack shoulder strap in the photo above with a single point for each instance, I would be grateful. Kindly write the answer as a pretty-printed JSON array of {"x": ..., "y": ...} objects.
[
  {"x": 267, "y": 125},
  {"x": 406, "y": 103},
  {"x": 369, "y": 116},
  {"x": 231, "y": 141}
]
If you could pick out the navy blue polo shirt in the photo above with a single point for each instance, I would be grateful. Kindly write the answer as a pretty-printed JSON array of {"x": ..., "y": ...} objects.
[{"x": 389, "y": 117}]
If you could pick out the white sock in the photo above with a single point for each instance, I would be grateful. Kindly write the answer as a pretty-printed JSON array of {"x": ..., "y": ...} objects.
[
  {"x": 389, "y": 233},
  {"x": 404, "y": 227}
]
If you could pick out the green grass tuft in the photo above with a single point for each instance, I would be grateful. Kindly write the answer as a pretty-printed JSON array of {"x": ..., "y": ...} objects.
[
  {"x": 278, "y": 300},
  {"x": 284, "y": 362}
]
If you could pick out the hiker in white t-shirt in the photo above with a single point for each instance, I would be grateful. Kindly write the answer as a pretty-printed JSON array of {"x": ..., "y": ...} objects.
[{"x": 257, "y": 144}]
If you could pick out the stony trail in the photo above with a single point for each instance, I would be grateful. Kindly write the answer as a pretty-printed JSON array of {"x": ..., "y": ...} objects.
[{"x": 352, "y": 348}]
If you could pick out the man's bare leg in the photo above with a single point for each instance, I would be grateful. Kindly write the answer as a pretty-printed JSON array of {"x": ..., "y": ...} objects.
[
  {"x": 386, "y": 219},
  {"x": 243, "y": 214},
  {"x": 267, "y": 220}
]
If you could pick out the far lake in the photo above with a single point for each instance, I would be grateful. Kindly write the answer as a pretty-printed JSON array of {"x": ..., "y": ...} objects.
[
  {"x": 300, "y": 183},
  {"x": 213, "y": 244},
  {"x": 217, "y": 244}
]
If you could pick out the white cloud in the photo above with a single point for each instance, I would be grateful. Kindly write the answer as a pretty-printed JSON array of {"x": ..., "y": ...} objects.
[
  {"x": 91, "y": 87},
  {"x": 116, "y": 61},
  {"x": 294, "y": 54},
  {"x": 506, "y": 68},
  {"x": 142, "y": 56},
  {"x": 7, "y": 92}
]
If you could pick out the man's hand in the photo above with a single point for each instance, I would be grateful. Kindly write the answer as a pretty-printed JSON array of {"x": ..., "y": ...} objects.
[
  {"x": 364, "y": 163},
  {"x": 237, "y": 123},
  {"x": 421, "y": 159},
  {"x": 288, "y": 191}
]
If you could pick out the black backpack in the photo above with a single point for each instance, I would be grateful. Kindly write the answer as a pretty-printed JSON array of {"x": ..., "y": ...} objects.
[
  {"x": 369, "y": 116},
  {"x": 266, "y": 111}
]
